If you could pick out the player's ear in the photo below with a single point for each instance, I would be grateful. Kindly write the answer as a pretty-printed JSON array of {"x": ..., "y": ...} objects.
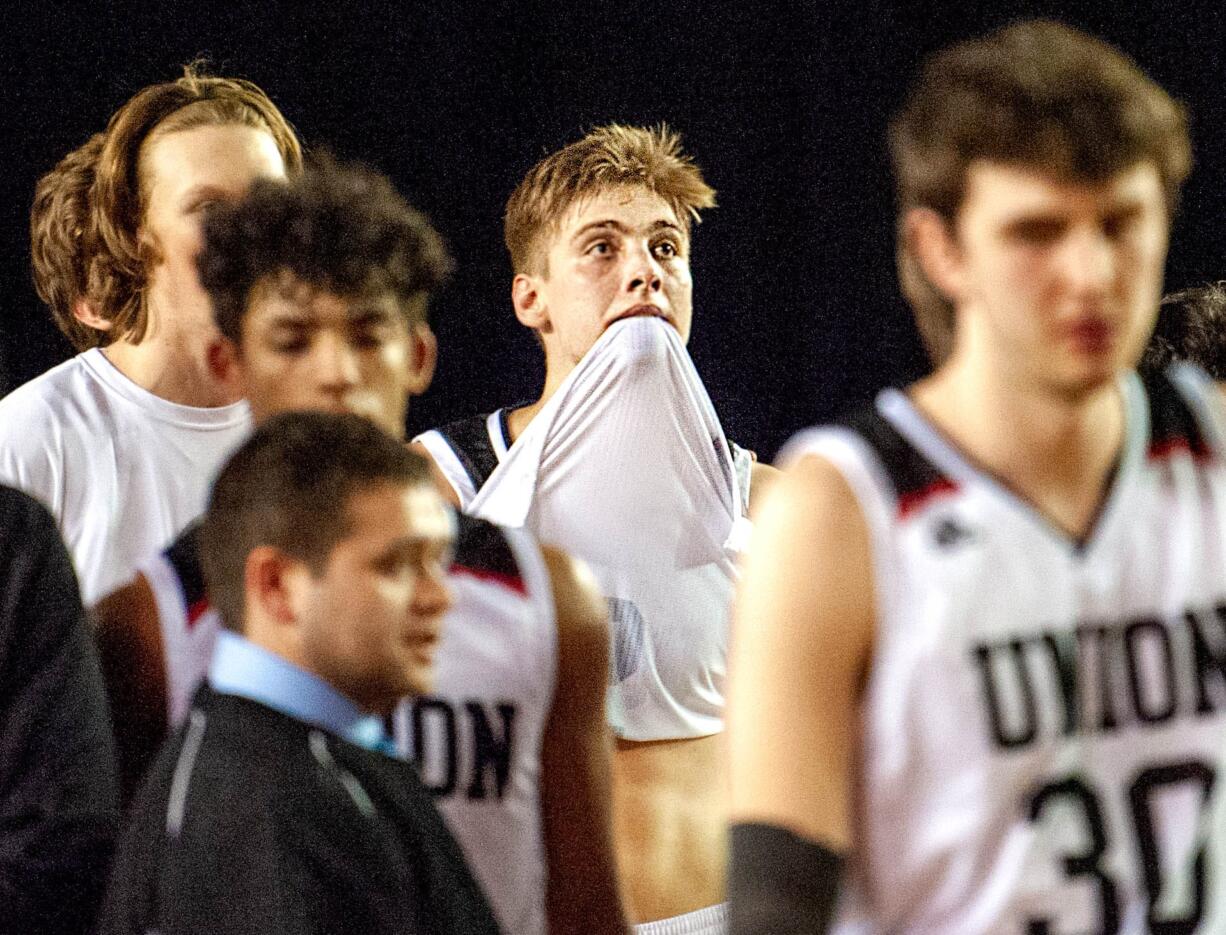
[
  {"x": 930, "y": 239},
  {"x": 272, "y": 588},
  {"x": 423, "y": 348},
  {"x": 221, "y": 356},
  {"x": 86, "y": 312},
  {"x": 528, "y": 301}
]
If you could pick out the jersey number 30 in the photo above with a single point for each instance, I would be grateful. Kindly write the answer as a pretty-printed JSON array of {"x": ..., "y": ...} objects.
[{"x": 1087, "y": 864}]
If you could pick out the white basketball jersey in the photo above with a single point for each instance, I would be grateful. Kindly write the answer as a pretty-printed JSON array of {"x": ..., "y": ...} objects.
[
  {"x": 627, "y": 468},
  {"x": 1042, "y": 717},
  {"x": 477, "y": 738}
]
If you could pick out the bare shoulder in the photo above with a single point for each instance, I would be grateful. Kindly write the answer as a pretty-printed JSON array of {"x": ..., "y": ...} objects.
[
  {"x": 811, "y": 496},
  {"x": 808, "y": 570},
  {"x": 761, "y": 478},
  {"x": 127, "y": 614}
]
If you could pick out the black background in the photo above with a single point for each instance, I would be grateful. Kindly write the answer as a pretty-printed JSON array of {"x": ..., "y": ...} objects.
[{"x": 784, "y": 105}]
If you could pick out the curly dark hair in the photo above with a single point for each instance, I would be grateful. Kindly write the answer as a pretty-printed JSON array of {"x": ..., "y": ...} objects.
[
  {"x": 1191, "y": 326},
  {"x": 341, "y": 228}
]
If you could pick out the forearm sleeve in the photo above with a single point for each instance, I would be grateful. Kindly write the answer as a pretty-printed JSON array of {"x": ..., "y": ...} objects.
[{"x": 779, "y": 883}]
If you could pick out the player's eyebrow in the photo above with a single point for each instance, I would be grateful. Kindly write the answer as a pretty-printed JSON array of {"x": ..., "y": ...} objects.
[
  {"x": 370, "y": 315},
  {"x": 595, "y": 225},
  {"x": 610, "y": 223},
  {"x": 204, "y": 190}
]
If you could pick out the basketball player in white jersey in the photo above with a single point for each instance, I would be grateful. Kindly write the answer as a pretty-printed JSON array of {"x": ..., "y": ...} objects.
[
  {"x": 319, "y": 289},
  {"x": 622, "y": 461},
  {"x": 120, "y": 442},
  {"x": 979, "y": 654}
]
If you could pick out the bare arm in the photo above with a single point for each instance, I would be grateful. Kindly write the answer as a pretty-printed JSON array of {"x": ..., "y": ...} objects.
[
  {"x": 801, "y": 642},
  {"x": 582, "y": 894},
  {"x": 761, "y": 478},
  {"x": 129, "y": 643}
]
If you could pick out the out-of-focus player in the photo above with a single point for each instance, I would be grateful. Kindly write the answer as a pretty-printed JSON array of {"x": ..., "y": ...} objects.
[
  {"x": 121, "y": 441},
  {"x": 622, "y": 461},
  {"x": 320, "y": 288},
  {"x": 979, "y": 655}
]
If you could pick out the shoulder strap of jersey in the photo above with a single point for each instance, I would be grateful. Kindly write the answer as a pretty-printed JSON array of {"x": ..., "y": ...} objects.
[
  {"x": 184, "y": 558},
  {"x": 913, "y": 477},
  {"x": 464, "y": 452},
  {"x": 470, "y": 440},
  {"x": 1185, "y": 413},
  {"x": 484, "y": 552}
]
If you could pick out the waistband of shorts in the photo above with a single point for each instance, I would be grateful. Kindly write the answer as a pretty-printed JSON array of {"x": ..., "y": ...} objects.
[{"x": 710, "y": 921}]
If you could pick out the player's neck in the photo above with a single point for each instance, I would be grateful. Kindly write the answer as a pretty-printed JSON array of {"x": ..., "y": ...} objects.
[
  {"x": 518, "y": 419},
  {"x": 1056, "y": 450},
  {"x": 175, "y": 370}
]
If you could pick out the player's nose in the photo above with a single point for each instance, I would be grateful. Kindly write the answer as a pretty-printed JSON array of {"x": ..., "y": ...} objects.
[
  {"x": 335, "y": 363},
  {"x": 643, "y": 271},
  {"x": 433, "y": 597},
  {"x": 1088, "y": 261}
]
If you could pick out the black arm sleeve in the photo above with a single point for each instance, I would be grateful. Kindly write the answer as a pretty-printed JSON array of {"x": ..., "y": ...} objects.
[
  {"x": 779, "y": 883},
  {"x": 58, "y": 787}
]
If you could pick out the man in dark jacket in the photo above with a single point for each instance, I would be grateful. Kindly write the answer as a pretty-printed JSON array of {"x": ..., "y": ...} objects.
[
  {"x": 59, "y": 796},
  {"x": 277, "y": 808}
]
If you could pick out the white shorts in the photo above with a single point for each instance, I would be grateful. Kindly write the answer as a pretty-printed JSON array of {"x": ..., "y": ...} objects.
[{"x": 710, "y": 921}]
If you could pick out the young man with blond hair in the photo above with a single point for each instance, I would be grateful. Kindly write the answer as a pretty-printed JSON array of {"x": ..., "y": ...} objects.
[
  {"x": 622, "y": 461},
  {"x": 978, "y": 655}
]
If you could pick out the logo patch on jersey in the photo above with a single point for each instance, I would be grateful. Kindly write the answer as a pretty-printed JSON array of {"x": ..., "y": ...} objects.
[
  {"x": 627, "y": 625},
  {"x": 948, "y": 532}
]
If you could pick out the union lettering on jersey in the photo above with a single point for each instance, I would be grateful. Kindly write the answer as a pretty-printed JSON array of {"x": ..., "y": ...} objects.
[
  {"x": 1043, "y": 716},
  {"x": 477, "y": 738}
]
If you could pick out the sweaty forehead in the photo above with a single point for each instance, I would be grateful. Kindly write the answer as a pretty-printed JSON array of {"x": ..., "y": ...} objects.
[
  {"x": 228, "y": 156},
  {"x": 633, "y": 207}
]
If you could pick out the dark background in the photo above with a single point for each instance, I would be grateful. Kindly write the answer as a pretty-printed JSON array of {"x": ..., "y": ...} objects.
[{"x": 784, "y": 105}]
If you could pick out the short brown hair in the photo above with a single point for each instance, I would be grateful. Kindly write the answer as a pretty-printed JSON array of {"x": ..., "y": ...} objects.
[
  {"x": 289, "y": 487},
  {"x": 341, "y": 228},
  {"x": 107, "y": 259},
  {"x": 608, "y": 157},
  {"x": 1037, "y": 94}
]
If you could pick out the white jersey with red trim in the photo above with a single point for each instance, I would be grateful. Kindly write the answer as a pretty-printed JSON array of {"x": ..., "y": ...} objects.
[
  {"x": 1042, "y": 718},
  {"x": 477, "y": 738}
]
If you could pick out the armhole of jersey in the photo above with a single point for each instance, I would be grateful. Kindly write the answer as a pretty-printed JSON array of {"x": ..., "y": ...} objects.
[
  {"x": 536, "y": 579},
  {"x": 856, "y": 460},
  {"x": 1205, "y": 399},
  {"x": 449, "y": 463},
  {"x": 172, "y": 623}
]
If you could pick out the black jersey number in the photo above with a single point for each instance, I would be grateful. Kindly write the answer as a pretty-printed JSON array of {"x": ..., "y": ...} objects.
[{"x": 1087, "y": 863}]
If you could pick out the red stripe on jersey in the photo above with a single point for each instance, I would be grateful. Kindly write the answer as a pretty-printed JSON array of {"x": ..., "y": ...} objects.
[
  {"x": 196, "y": 611},
  {"x": 1166, "y": 447},
  {"x": 908, "y": 503},
  {"x": 514, "y": 582}
]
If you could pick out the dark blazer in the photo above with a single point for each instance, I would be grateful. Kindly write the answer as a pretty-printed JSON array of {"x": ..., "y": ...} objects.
[
  {"x": 253, "y": 822},
  {"x": 59, "y": 795}
]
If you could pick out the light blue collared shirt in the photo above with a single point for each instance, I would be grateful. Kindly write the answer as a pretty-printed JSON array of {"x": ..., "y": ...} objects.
[{"x": 240, "y": 667}]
